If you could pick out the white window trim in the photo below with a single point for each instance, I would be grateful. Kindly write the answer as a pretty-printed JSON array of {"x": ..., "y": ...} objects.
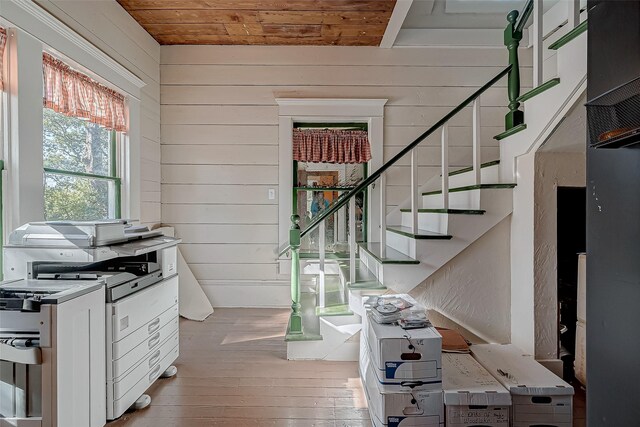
[
  {"x": 32, "y": 30},
  {"x": 291, "y": 110}
]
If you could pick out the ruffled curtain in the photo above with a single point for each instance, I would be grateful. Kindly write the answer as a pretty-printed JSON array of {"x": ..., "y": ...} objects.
[
  {"x": 74, "y": 94},
  {"x": 331, "y": 146},
  {"x": 3, "y": 43}
]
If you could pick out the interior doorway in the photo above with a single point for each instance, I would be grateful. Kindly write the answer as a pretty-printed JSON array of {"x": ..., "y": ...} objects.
[{"x": 572, "y": 233}]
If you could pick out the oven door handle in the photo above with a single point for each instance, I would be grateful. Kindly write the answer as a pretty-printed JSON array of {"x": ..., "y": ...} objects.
[{"x": 26, "y": 356}]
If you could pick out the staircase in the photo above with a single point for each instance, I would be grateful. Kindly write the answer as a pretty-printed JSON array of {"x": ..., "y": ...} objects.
[{"x": 441, "y": 219}]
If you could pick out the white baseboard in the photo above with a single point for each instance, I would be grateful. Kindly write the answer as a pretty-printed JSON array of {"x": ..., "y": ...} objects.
[{"x": 247, "y": 294}]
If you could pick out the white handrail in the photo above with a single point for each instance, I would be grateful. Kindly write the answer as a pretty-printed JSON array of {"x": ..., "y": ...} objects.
[
  {"x": 383, "y": 215},
  {"x": 477, "y": 143},
  {"x": 445, "y": 166},
  {"x": 414, "y": 190}
]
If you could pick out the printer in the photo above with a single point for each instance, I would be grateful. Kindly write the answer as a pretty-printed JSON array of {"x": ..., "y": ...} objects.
[{"x": 134, "y": 270}]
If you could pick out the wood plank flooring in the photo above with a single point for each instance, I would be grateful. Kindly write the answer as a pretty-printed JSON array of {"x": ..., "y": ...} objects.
[{"x": 233, "y": 371}]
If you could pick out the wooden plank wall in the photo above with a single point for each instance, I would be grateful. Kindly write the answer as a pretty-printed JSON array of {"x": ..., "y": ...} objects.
[
  {"x": 109, "y": 27},
  {"x": 220, "y": 134}
]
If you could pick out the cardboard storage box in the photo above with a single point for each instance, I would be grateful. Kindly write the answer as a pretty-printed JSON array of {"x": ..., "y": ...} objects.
[
  {"x": 472, "y": 397},
  {"x": 400, "y": 408},
  {"x": 538, "y": 397},
  {"x": 404, "y": 357}
]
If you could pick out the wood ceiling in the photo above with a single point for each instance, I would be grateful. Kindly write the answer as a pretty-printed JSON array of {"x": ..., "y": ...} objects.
[{"x": 263, "y": 22}]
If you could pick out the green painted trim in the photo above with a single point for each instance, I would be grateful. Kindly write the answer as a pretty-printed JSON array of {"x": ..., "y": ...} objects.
[
  {"x": 510, "y": 132},
  {"x": 524, "y": 16},
  {"x": 323, "y": 188},
  {"x": 538, "y": 90},
  {"x": 375, "y": 175},
  {"x": 335, "y": 310},
  {"x": 449, "y": 211},
  {"x": 470, "y": 168},
  {"x": 81, "y": 174},
  {"x": 356, "y": 125},
  {"x": 405, "y": 260},
  {"x": 569, "y": 36},
  {"x": 421, "y": 235},
  {"x": 471, "y": 187}
]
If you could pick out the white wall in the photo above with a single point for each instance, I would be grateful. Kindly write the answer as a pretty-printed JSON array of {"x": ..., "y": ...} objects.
[
  {"x": 220, "y": 134},
  {"x": 109, "y": 27},
  {"x": 474, "y": 288}
]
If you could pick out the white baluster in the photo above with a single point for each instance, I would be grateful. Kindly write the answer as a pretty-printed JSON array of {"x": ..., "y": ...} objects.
[
  {"x": 538, "y": 12},
  {"x": 477, "y": 143},
  {"x": 352, "y": 240},
  {"x": 574, "y": 13},
  {"x": 414, "y": 191},
  {"x": 445, "y": 166},
  {"x": 321, "y": 245},
  {"x": 383, "y": 215},
  {"x": 335, "y": 228}
]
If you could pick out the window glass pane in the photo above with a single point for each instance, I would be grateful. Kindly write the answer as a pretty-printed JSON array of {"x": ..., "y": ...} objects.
[
  {"x": 76, "y": 198},
  {"x": 75, "y": 145}
]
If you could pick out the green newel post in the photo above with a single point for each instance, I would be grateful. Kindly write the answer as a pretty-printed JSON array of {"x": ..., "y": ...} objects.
[
  {"x": 512, "y": 38},
  {"x": 295, "y": 323}
]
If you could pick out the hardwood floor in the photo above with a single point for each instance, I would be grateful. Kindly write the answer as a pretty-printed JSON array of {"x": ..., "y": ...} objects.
[{"x": 233, "y": 371}]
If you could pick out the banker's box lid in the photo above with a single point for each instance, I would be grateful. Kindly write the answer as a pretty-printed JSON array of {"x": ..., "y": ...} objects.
[
  {"x": 390, "y": 332},
  {"x": 519, "y": 372},
  {"x": 466, "y": 382}
]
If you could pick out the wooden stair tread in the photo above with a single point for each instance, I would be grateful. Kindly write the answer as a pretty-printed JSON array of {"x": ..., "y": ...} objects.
[
  {"x": 449, "y": 211},
  {"x": 538, "y": 90},
  {"x": 569, "y": 36},
  {"x": 365, "y": 279},
  {"x": 471, "y": 187},
  {"x": 420, "y": 235},
  {"x": 470, "y": 168},
  {"x": 334, "y": 298},
  {"x": 510, "y": 132},
  {"x": 391, "y": 256}
]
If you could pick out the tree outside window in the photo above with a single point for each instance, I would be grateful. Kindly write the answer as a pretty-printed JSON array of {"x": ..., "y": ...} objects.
[{"x": 80, "y": 173}]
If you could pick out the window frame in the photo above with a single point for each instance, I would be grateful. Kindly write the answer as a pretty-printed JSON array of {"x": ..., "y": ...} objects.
[{"x": 114, "y": 160}]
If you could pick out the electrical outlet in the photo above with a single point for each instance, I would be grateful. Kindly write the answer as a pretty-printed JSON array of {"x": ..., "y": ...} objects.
[{"x": 272, "y": 194}]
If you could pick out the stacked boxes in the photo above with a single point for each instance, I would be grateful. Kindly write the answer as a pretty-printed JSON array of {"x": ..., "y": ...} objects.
[
  {"x": 538, "y": 396},
  {"x": 472, "y": 397},
  {"x": 402, "y": 374}
]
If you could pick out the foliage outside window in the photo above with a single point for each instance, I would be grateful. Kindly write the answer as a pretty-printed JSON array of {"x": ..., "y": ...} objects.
[{"x": 80, "y": 170}]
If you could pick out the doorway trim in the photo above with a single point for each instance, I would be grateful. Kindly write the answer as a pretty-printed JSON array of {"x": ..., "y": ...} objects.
[{"x": 291, "y": 110}]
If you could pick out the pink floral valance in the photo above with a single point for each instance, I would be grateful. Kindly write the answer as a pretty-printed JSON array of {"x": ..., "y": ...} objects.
[
  {"x": 3, "y": 43},
  {"x": 331, "y": 146},
  {"x": 74, "y": 94}
]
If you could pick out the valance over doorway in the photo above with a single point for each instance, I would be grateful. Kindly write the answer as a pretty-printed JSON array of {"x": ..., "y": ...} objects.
[{"x": 331, "y": 146}]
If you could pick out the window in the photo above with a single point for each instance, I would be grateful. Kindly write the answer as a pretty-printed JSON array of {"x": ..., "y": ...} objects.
[
  {"x": 80, "y": 169},
  {"x": 81, "y": 121}
]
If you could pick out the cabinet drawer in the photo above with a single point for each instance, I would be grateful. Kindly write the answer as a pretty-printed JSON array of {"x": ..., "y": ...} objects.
[
  {"x": 131, "y": 313},
  {"x": 150, "y": 345},
  {"x": 124, "y": 400},
  {"x": 131, "y": 341},
  {"x": 122, "y": 385}
]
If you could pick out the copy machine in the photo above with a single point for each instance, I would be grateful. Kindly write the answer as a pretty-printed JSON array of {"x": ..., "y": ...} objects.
[{"x": 136, "y": 272}]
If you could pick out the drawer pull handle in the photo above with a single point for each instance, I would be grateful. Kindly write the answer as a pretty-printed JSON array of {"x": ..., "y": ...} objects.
[
  {"x": 154, "y": 326},
  {"x": 154, "y": 373},
  {"x": 154, "y": 359},
  {"x": 154, "y": 340}
]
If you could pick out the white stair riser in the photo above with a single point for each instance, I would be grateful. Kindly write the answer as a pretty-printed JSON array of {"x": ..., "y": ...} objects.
[
  {"x": 469, "y": 199},
  {"x": 489, "y": 175},
  {"x": 402, "y": 244},
  {"x": 436, "y": 222}
]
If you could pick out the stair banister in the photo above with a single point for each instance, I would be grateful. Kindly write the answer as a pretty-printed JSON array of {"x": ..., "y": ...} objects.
[
  {"x": 295, "y": 321},
  {"x": 342, "y": 201},
  {"x": 414, "y": 190},
  {"x": 445, "y": 166},
  {"x": 383, "y": 215},
  {"x": 477, "y": 143},
  {"x": 295, "y": 233}
]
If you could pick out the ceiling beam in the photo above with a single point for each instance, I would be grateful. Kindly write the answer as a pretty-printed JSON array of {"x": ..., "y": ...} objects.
[{"x": 395, "y": 22}]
